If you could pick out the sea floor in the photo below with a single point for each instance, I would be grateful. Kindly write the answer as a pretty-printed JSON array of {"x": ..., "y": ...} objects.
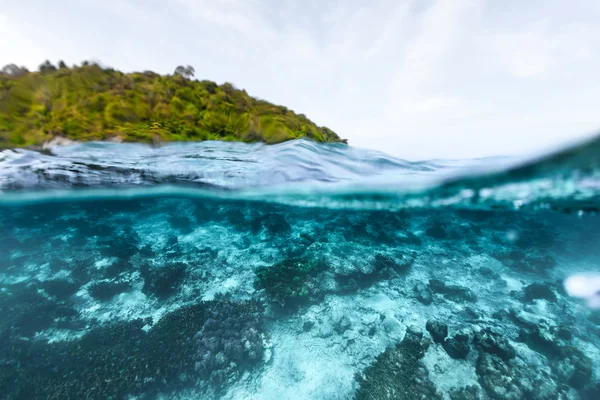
[{"x": 184, "y": 298}]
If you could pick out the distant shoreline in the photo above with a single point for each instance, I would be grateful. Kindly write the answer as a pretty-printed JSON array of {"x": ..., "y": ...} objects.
[{"x": 91, "y": 103}]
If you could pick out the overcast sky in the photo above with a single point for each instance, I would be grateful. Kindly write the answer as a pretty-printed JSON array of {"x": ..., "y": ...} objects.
[{"x": 417, "y": 79}]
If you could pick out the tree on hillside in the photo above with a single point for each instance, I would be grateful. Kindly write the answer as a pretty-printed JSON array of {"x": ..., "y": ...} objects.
[
  {"x": 186, "y": 72},
  {"x": 13, "y": 70},
  {"x": 47, "y": 67},
  {"x": 62, "y": 65}
]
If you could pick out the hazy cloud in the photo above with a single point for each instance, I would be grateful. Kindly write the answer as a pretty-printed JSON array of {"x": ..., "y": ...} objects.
[{"x": 434, "y": 78}]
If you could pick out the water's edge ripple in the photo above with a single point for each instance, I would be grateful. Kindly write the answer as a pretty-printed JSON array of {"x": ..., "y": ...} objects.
[{"x": 302, "y": 173}]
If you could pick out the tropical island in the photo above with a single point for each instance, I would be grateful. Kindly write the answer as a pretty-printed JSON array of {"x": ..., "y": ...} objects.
[{"x": 90, "y": 102}]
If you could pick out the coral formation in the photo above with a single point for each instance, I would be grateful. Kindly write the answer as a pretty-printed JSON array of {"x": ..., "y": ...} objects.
[
  {"x": 122, "y": 359},
  {"x": 292, "y": 282},
  {"x": 398, "y": 372},
  {"x": 109, "y": 295},
  {"x": 163, "y": 281}
]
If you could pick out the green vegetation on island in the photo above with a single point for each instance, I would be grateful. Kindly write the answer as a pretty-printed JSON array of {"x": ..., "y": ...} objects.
[{"x": 89, "y": 102}]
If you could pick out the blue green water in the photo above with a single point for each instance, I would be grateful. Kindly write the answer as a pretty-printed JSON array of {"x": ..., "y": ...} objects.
[{"x": 297, "y": 271}]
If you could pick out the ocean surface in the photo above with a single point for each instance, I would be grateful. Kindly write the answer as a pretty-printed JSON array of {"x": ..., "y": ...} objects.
[{"x": 221, "y": 270}]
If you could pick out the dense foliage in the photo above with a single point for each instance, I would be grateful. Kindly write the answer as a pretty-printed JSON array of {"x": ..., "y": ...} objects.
[{"x": 89, "y": 102}]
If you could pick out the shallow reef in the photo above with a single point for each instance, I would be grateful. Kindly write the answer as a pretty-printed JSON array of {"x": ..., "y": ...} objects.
[
  {"x": 213, "y": 341},
  {"x": 398, "y": 373},
  {"x": 190, "y": 298}
]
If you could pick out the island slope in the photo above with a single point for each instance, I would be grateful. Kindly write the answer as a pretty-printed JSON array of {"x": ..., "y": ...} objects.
[{"x": 89, "y": 102}]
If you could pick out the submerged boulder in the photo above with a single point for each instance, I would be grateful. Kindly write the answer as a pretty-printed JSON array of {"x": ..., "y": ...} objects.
[
  {"x": 398, "y": 373},
  {"x": 536, "y": 291},
  {"x": 423, "y": 293},
  {"x": 436, "y": 230},
  {"x": 458, "y": 346},
  {"x": 292, "y": 282},
  {"x": 574, "y": 367},
  {"x": 61, "y": 289},
  {"x": 491, "y": 342},
  {"x": 182, "y": 223},
  {"x": 342, "y": 324},
  {"x": 274, "y": 223},
  {"x": 382, "y": 267},
  {"x": 163, "y": 281},
  {"x": 531, "y": 261},
  {"x": 386, "y": 265},
  {"x": 25, "y": 311},
  {"x": 104, "y": 291},
  {"x": 438, "y": 330},
  {"x": 497, "y": 378},
  {"x": 469, "y": 392},
  {"x": 514, "y": 379},
  {"x": 570, "y": 364},
  {"x": 454, "y": 293}
]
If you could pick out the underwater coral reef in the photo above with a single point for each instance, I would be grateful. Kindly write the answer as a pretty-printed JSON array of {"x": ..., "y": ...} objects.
[{"x": 213, "y": 298}]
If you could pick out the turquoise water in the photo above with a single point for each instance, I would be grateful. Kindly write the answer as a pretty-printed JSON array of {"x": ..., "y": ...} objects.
[{"x": 297, "y": 271}]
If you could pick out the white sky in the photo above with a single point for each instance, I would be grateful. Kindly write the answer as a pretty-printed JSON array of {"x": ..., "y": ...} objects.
[{"x": 414, "y": 78}]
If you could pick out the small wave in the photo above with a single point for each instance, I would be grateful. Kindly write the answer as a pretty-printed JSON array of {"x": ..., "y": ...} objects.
[{"x": 302, "y": 173}]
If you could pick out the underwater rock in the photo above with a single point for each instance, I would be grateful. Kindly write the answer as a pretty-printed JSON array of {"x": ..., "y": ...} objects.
[
  {"x": 398, "y": 373},
  {"x": 536, "y": 235},
  {"x": 436, "y": 230},
  {"x": 469, "y": 392},
  {"x": 386, "y": 265},
  {"x": 171, "y": 247},
  {"x": 590, "y": 392},
  {"x": 496, "y": 377},
  {"x": 57, "y": 264},
  {"x": 374, "y": 227},
  {"x": 147, "y": 252},
  {"x": 409, "y": 238},
  {"x": 342, "y": 325},
  {"x": 540, "y": 263},
  {"x": 536, "y": 291},
  {"x": 163, "y": 281},
  {"x": 382, "y": 267},
  {"x": 454, "y": 293},
  {"x": 437, "y": 330},
  {"x": 531, "y": 261},
  {"x": 104, "y": 291},
  {"x": 391, "y": 325},
  {"x": 308, "y": 325},
  {"x": 120, "y": 246},
  {"x": 593, "y": 316},
  {"x": 291, "y": 283},
  {"x": 182, "y": 223},
  {"x": 489, "y": 273},
  {"x": 118, "y": 267},
  {"x": 232, "y": 216},
  {"x": 423, "y": 293},
  {"x": 276, "y": 223},
  {"x": 573, "y": 367},
  {"x": 62, "y": 289},
  {"x": 541, "y": 338},
  {"x": 491, "y": 342},
  {"x": 568, "y": 362},
  {"x": 325, "y": 330},
  {"x": 507, "y": 380},
  {"x": 80, "y": 271},
  {"x": 25, "y": 311},
  {"x": 457, "y": 347}
]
